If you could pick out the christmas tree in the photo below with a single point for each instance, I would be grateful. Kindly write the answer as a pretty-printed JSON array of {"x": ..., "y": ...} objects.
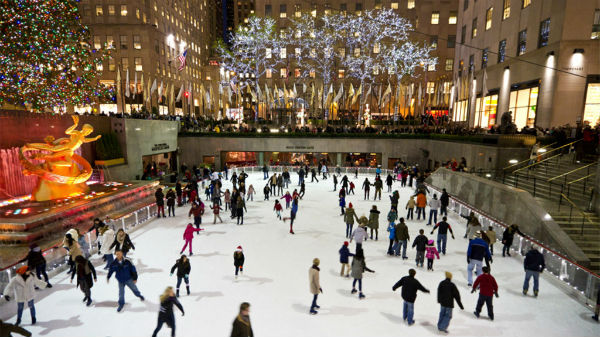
[{"x": 46, "y": 59}]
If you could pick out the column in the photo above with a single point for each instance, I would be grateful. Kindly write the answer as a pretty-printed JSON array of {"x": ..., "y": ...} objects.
[{"x": 261, "y": 158}]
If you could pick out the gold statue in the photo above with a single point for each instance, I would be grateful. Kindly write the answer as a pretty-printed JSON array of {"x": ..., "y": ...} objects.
[{"x": 62, "y": 173}]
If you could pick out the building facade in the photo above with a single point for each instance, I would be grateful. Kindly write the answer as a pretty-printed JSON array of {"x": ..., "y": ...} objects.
[{"x": 539, "y": 60}]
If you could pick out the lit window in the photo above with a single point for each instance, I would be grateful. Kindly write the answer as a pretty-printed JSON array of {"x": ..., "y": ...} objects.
[
  {"x": 297, "y": 10},
  {"x": 298, "y": 34},
  {"x": 526, "y": 3},
  {"x": 474, "y": 28},
  {"x": 356, "y": 52},
  {"x": 375, "y": 70},
  {"x": 410, "y": 4},
  {"x": 283, "y": 53},
  {"x": 97, "y": 43},
  {"x": 99, "y": 11},
  {"x": 545, "y": 31},
  {"x": 591, "y": 111},
  {"x": 111, "y": 9},
  {"x": 283, "y": 72},
  {"x": 434, "y": 42},
  {"x": 125, "y": 63},
  {"x": 268, "y": 10},
  {"x": 435, "y": 18},
  {"x": 452, "y": 18},
  {"x": 595, "y": 26},
  {"x": 123, "y": 41},
  {"x": 430, "y": 87},
  {"x": 268, "y": 53},
  {"x": 488, "y": 18},
  {"x": 313, "y": 53},
  {"x": 99, "y": 66},
  {"x": 123, "y": 10},
  {"x": 110, "y": 42},
  {"x": 111, "y": 64},
  {"x": 283, "y": 11},
  {"x": 342, "y": 52},
  {"x": 137, "y": 42},
  {"x": 137, "y": 13},
  {"x": 521, "y": 46},
  {"x": 394, "y": 5},
  {"x": 341, "y": 73},
  {"x": 447, "y": 87},
  {"x": 282, "y": 33},
  {"x": 312, "y": 73},
  {"x": 506, "y": 9},
  {"x": 431, "y": 67},
  {"x": 297, "y": 51},
  {"x": 376, "y": 48},
  {"x": 268, "y": 73},
  {"x": 313, "y": 11},
  {"x": 449, "y": 64},
  {"x": 297, "y": 72},
  {"x": 343, "y": 9},
  {"x": 138, "y": 63}
]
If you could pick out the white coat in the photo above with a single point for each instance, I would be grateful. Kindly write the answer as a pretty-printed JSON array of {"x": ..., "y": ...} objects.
[
  {"x": 359, "y": 234},
  {"x": 23, "y": 290},
  {"x": 107, "y": 240}
]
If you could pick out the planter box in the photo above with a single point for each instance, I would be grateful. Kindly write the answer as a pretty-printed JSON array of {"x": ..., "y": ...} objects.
[{"x": 110, "y": 162}]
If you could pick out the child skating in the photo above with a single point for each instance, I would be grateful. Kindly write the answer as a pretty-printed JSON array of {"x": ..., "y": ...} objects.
[
  {"x": 188, "y": 236},
  {"x": 344, "y": 258},
  {"x": 238, "y": 261},
  {"x": 277, "y": 208},
  {"x": 431, "y": 254}
]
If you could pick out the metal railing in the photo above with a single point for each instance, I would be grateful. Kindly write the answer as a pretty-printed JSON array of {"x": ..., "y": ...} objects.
[
  {"x": 572, "y": 204},
  {"x": 573, "y": 171},
  {"x": 541, "y": 155}
]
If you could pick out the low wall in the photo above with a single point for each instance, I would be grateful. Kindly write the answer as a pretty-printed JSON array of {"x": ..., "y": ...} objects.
[{"x": 511, "y": 206}]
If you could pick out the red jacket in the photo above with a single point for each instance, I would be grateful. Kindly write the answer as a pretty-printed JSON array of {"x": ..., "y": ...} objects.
[
  {"x": 189, "y": 232},
  {"x": 198, "y": 211},
  {"x": 277, "y": 207},
  {"x": 487, "y": 284}
]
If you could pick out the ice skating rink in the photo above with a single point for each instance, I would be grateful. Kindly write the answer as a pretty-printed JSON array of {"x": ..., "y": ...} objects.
[{"x": 275, "y": 281}]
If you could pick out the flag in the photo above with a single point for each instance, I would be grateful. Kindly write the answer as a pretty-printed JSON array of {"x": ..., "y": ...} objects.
[
  {"x": 229, "y": 94},
  {"x": 285, "y": 95},
  {"x": 339, "y": 94},
  {"x": 207, "y": 98},
  {"x": 387, "y": 93},
  {"x": 160, "y": 91},
  {"x": 127, "y": 91},
  {"x": 312, "y": 94},
  {"x": 329, "y": 96},
  {"x": 303, "y": 88},
  {"x": 419, "y": 95},
  {"x": 252, "y": 93},
  {"x": 368, "y": 94},
  {"x": 135, "y": 83},
  {"x": 259, "y": 93},
  {"x": 180, "y": 92},
  {"x": 118, "y": 83},
  {"x": 410, "y": 93},
  {"x": 211, "y": 98},
  {"x": 172, "y": 94},
  {"x": 358, "y": 93},
  {"x": 320, "y": 96},
  {"x": 267, "y": 94},
  {"x": 144, "y": 92},
  {"x": 295, "y": 92},
  {"x": 149, "y": 93},
  {"x": 379, "y": 96},
  {"x": 190, "y": 94},
  {"x": 484, "y": 90},
  {"x": 182, "y": 60},
  {"x": 154, "y": 87}
]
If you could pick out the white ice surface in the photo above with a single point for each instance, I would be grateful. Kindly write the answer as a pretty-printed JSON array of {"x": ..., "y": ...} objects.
[{"x": 275, "y": 281}]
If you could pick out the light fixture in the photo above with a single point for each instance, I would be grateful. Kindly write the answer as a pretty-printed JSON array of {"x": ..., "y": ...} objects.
[
  {"x": 578, "y": 51},
  {"x": 513, "y": 161},
  {"x": 550, "y": 53},
  {"x": 507, "y": 68}
]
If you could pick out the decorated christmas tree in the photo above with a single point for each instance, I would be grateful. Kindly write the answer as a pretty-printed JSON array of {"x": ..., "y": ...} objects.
[{"x": 46, "y": 60}]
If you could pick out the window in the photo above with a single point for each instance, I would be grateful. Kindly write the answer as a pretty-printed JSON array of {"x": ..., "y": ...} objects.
[
  {"x": 123, "y": 10},
  {"x": 123, "y": 41},
  {"x": 111, "y": 9},
  {"x": 522, "y": 42},
  {"x": 376, "y": 48},
  {"x": 463, "y": 34},
  {"x": 523, "y": 104},
  {"x": 111, "y": 64},
  {"x": 358, "y": 8},
  {"x": 377, "y": 4},
  {"x": 282, "y": 33},
  {"x": 451, "y": 42},
  {"x": 110, "y": 42},
  {"x": 431, "y": 67},
  {"x": 394, "y": 5},
  {"x": 488, "y": 18},
  {"x": 297, "y": 51},
  {"x": 268, "y": 73},
  {"x": 99, "y": 66},
  {"x": 449, "y": 64},
  {"x": 137, "y": 13},
  {"x": 283, "y": 11},
  {"x": 595, "y": 26},
  {"x": 484, "y": 58},
  {"x": 283, "y": 53},
  {"x": 268, "y": 53},
  {"x": 526, "y": 3},
  {"x": 342, "y": 52},
  {"x": 341, "y": 73},
  {"x": 125, "y": 63},
  {"x": 137, "y": 42},
  {"x": 485, "y": 115},
  {"x": 474, "y": 28},
  {"x": 435, "y": 18},
  {"x": 343, "y": 9},
  {"x": 545, "y": 32},
  {"x": 471, "y": 63},
  {"x": 410, "y": 4},
  {"x": 466, "y": 5},
  {"x": 375, "y": 70},
  {"x": 356, "y": 52},
  {"x": 97, "y": 43},
  {"x": 99, "y": 11},
  {"x": 501, "y": 51},
  {"x": 430, "y": 87},
  {"x": 452, "y": 18},
  {"x": 138, "y": 63},
  {"x": 313, "y": 10},
  {"x": 434, "y": 42},
  {"x": 298, "y": 10},
  {"x": 591, "y": 110},
  {"x": 268, "y": 10},
  {"x": 506, "y": 9},
  {"x": 313, "y": 53},
  {"x": 283, "y": 72},
  {"x": 297, "y": 72}
]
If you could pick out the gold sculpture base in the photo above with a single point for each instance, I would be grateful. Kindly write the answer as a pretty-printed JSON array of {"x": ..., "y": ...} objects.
[{"x": 48, "y": 190}]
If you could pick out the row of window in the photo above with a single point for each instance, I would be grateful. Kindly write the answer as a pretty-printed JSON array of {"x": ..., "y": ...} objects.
[
  {"x": 112, "y": 10},
  {"x": 123, "y": 42},
  {"x": 506, "y": 6}
]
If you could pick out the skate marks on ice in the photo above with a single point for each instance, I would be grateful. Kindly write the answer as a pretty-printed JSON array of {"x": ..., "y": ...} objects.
[{"x": 333, "y": 310}]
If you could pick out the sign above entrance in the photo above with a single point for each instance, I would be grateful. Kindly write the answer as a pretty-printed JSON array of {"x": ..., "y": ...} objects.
[
  {"x": 300, "y": 147},
  {"x": 161, "y": 146}
]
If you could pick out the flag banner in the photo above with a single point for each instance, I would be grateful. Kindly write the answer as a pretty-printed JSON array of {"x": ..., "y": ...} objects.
[{"x": 127, "y": 91}]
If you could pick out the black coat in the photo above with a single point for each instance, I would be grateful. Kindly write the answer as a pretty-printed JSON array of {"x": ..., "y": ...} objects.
[
  {"x": 160, "y": 198},
  {"x": 84, "y": 274},
  {"x": 34, "y": 258},
  {"x": 444, "y": 199},
  {"x": 241, "y": 328},
  {"x": 171, "y": 198},
  {"x": 420, "y": 242},
  {"x": 534, "y": 260},
  {"x": 238, "y": 259},
  {"x": 166, "y": 308},
  {"x": 443, "y": 227},
  {"x": 125, "y": 247},
  {"x": 183, "y": 268},
  {"x": 409, "y": 285},
  {"x": 447, "y": 294}
]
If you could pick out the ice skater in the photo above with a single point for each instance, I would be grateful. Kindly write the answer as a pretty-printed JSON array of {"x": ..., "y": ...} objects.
[
  {"x": 314, "y": 285},
  {"x": 238, "y": 260},
  {"x": 165, "y": 314},
  {"x": 277, "y": 208},
  {"x": 447, "y": 294},
  {"x": 342, "y": 203},
  {"x": 267, "y": 191},
  {"x": 23, "y": 287},
  {"x": 292, "y": 217},
  {"x": 344, "y": 255},
  {"x": 183, "y": 267},
  {"x": 410, "y": 206},
  {"x": 421, "y": 244},
  {"x": 216, "y": 210},
  {"x": 126, "y": 274},
  {"x": 122, "y": 242},
  {"x": 85, "y": 270},
  {"x": 487, "y": 288},
  {"x": 197, "y": 211},
  {"x": 442, "y": 236},
  {"x": 288, "y": 199},
  {"x": 374, "y": 222},
  {"x": 359, "y": 266},
  {"x": 431, "y": 254},
  {"x": 36, "y": 261},
  {"x": 367, "y": 187},
  {"x": 360, "y": 233},
  {"x": 410, "y": 286},
  {"x": 349, "y": 218},
  {"x": 188, "y": 236},
  {"x": 534, "y": 264}
]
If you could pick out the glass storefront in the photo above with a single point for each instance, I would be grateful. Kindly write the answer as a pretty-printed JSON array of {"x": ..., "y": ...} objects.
[
  {"x": 591, "y": 112},
  {"x": 460, "y": 111},
  {"x": 523, "y": 104},
  {"x": 485, "y": 116}
]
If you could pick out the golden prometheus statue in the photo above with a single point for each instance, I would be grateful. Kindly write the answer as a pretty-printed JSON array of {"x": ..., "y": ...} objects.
[{"x": 62, "y": 173}]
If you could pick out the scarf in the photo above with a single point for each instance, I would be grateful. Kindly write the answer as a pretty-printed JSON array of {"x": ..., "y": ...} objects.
[{"x": 121, "y": 238}]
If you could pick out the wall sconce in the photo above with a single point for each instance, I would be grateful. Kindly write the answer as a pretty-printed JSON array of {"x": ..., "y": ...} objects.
[
  {"x": 507, "y": 68},
  {"x": 578, "y": 51},
  {"x": 550, "y": 53}
]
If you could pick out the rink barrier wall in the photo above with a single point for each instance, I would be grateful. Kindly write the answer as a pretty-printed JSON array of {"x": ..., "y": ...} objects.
[{"x": 56, "y": 256}]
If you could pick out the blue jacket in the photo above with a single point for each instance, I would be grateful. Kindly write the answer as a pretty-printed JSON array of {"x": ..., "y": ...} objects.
[
  {"x": 534, "y": 260},
  {"x": 294, "y": 207},
  {"x": 392, "y": 229},
  {"x": 478, "y": 250},
  {"x": 342, "y": 202},
  {"x": 345, "y": 254},
  {"x": 124, "y": 271}
]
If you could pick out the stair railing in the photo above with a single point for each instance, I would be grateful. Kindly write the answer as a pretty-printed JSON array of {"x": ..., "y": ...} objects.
[
  {"x": 545, "y": 153},
  {"x": 572, "y": 204}
]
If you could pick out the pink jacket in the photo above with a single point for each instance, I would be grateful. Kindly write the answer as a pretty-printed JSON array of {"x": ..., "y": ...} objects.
[
  {"x": 287, "y": 197},
  {"x": 189, "y": 232},
  {"x": 431, "y": 252}
]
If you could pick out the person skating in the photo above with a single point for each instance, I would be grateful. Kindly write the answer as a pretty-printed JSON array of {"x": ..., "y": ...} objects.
[
  {"x": 508, "y": 237},
  {"x": 402, "y": 238},
  {"x": 273, "y": 184},
  {"x": 241, "y": 207},
  {"x": 313, "y": 175},
  {"x": 392, "y": 216},
  {"x": 491, "y": 235},
  {"x": 122, "y": 242},
  {"x": 292, "y": 217},
  {"x": 165, "y": 313},
  {"x": 314, "y": 285},
  {"x": 442, "y": 236},
  {"x": 72, "y": 246},
  {"x": 301, "y": 174},
  {"x": 374, "y": 222},
  {"x": 474, "y": 228},
  {"x": 487, "y": 288},
  {"x": 410, "y": 206},
  {"x": 107, "y": 235},
  {"x": 36, "y": 261},
  {"x": 227, "y": 199},
  {"x": 197, "y": 211},
  {"x": 360, "y": 233},
  {"x": 470, "y": 219},
  {"x": 179, "y": 193},
  {"x": 478, "y": 251},
  {"x": 188, "y": 236},
  {"x": 394, "y": 200},
  {"x": 367, "y": 187},
  {"x": 265, "y": 170},
  {"x": 171, "y": 202},
  {"x": 277, "y": 208},
  {"x": 446, "y": 295},
  {"x": 22, "y": 287},
  {"x": 342, "y": 203},
  {"x": 280, "y": 184},
  {"x": 324, "y": 171},
  {"x": 388, "y": 181},
  {"x": 431, "y": 254},
  {"x": 83, "y": 244},
  {"x": 378, "y": 187},
  {"x": 534, "y": 264},
  {"x": 302, "y": 190},
  {"x": 410, "y": 285},
  {"x": 335, "y": 182},
  {"x": 345, "y": 183},
  {"x": 251, "y": 192},
  {"x": 421, "y": 203},
  {"x": 267, "y": 192},
  {"x": 288, "y": 199},
  {"x": 344, "y": 255},
  {"x": 183, "y": 267},
  {"x": 85, "y": 270},
  {"x": 392, "y": 236},
  {"x": 349, "y": 218},
  {"x": 352, "y": 186},
  {"x": 216, "y": 210},
  {"x": 444, "y": 202},
  {"x": 420, "y": 243},
  {"x": 160, "y": 202},
  {"x": 238, "y": 260},
  {"x": 434, "y": 205},
  {"x": 7, "y": 329},
  {"x": 126, "y": 274},
  {"x": 241, "y": 324},
  {"x": 359, "y": 266}
]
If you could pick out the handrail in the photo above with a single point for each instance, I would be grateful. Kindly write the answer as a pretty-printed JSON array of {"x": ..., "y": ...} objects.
[
  {"x": 574, "y": 170},
  {"x": 536, "y": 163},
  {"x": 574, "y": 181},
  {"x": 545, "y": 153},
  {"x": 579, "y": 210}
]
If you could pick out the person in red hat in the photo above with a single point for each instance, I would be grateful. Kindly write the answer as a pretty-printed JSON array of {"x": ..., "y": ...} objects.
[
  {"x": 23, "y": 287},
  {"x": 344, "y": 259},
  {"x": 238, "y": 260}
]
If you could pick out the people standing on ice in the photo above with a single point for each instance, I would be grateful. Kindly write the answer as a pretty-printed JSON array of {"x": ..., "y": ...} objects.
[
  {"x": 234, "y": 199},
  {"x": 324, "y": 172},
  {"x": 349, "y": 217},
  {"x": 85, "y": 270},
  {"x": 410, "y": 285},
  {"x": 410, "y": 206},
  {"x": 277, "y": 208},
  {"x": 534, "y": 264},
  {"x": 302, "y": 190},
  {"x": 160, "y": 202},
  {"x": 403, "y": 176},
  {"x": 345, "y": 183},
  {"x": 442, "y": 236},
  {"x": 238, "y": 260},
  {"x": 444, "y": 202},
  {"x": 234, "y": 179},
  {"x": 478, "y": 251},
  {"x": 392, "y": 236},
  {"x": 197, "y": 211},
  {"x": 402, "y": 238},
  {"x": 394, "y": 200},
  {"x": 96, "y": 227},
  {"x": 351, "y": 188},
  {"x": 344, "y": 258},
  {"x": 188, "y": 236},
  {"x": 421, "y": 203},
  {"x": 273, "y": 184},
  {"x": 374, "y": 222},
  {"x": 420, "y": 243},
  {"x": 279, "y": 184},
  {"x": 301, "y": 175},
  {"x": 122, "y": 242},
  {"x": 266, "y": 191},
  {"x": 265, "y": 170},
  {"x": 313, "y": 175},
  {"x": 392, "y": 216},
  {"x": 431, "y": 254},
  {"x": 446, "y": 295},
  {"x": 360, "y": 233},
  {"x": 241, "y": 207},
  {"x": 22, "y": 287},
  {"x": 491, "y": 235},
  {"x": 107, "y": 235},
  {"x": 165, "y": 313},
  {"x": 183, "y": 267},
  {"x": 241, "y": 324},
  {"x": 314, "y": 285},
  {"x": 434, "y": 205},
  {"x": 286, "y": 178},
  {"x": 36, "y": 261},
  {"x": 474, "y": 229},
  {"x": 250, "y": 193},
  {"x": 388, "y": 181},
  {"x": 292, "y": 217},
  {"x": 359, "y": 266},
  {"x": 126, "y": 274},
  {"x": 85, "y": 247},
  {"x": 508, "y": 237},
  {"x": 342, "y": 203},
  {"x": 487, "y": 288},
  {"x": 367, "y": 187},
  {"x": 288, "y": 199},
  {"x": 179, "y": 193},
  {"x": 378, "y": 187},
  {"x": 72, "y": 246},
  {"x": 171, "y": 202},
  {"x": 216, "y": 211},
  {"x": 335, "y": 182},
  {"x": 470, "y": 220}
]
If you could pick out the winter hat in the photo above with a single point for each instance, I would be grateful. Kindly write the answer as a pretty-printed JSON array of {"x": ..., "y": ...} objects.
[
  {"x": 350, "y": 205},
  {"x": 345, "y": 243},
  {"x": 33, "y": 245},
  {"x": 448, "y": 275},
  {"x": 430, "y": 242},
  {"x": 22, "y": 270},
  {"x": 534, "y": 246},
  {"x": 316, "y": 261},
  {"x": 238, "y": 249}
]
